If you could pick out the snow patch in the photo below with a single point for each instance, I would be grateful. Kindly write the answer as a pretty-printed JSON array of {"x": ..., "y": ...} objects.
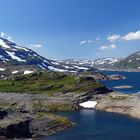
[
  {"x": 88, "y": 104},
  {"x": 41, "y": 66},
  {"x": 81, "y": 68},
  {"x": 12, "y": 54},
  {"x": 3, "y": 44},
  {"x": 46, "y": 61},
  {"x": 28, "y": 72},
  {"x": 44, "y": 65},
  {"x": 22, "y": 48},
  {"x": 56, "y": 69},
  {"x": 14, "y": 72},
  {"x": 55, "y": 63},
  {"x": 67, "y": 67},
  {"x": 2, "y": 69}
]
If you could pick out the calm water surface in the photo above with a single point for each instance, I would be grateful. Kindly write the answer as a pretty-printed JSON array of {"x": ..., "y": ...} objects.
[
  {"x": 133, "y": 79},
  {"x": 96, "y": 125}
]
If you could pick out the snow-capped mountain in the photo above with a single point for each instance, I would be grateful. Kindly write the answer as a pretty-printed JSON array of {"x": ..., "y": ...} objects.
[
  {"x": 12, "y": 54},
  {"x": 131, "y": 62},
  {"x": 98, "y": 63},
  {"x": 106, "y": 61}
]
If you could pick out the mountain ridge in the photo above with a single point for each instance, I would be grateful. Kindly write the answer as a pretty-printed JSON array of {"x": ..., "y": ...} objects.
[{"x": 12, "y": 54}]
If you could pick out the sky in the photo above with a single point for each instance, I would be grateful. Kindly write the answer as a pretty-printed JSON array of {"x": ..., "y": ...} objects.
[{"x": 78, "y": 29}]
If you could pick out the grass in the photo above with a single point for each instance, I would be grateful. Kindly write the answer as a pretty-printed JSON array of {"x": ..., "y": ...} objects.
[
  {"x": 57, "y": 119},
  {"x": 52, "y": 106},
  {"x": 48, "y": 82},
  {"x": 5, "y": 105}
]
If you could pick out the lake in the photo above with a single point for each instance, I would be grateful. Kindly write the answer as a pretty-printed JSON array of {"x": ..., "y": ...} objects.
[
  {"x": 98, "y": 125},
  {"x": 133, "y": 79}
]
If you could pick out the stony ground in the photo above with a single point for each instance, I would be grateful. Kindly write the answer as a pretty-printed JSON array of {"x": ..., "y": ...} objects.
[
  {"x": 119, "y": 103},
  {"x": 30, "y": 115},
  {"x": 32, "y": 111}
]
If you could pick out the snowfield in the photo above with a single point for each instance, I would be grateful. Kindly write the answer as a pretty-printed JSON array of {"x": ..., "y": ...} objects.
[
  {"x": 14, "y": 72},
  {"x": 2, "y": 69},
  {"x": 88, "y": 104},
  {"x": 3, "y": 44},
  {"x": 13, "y": 56},
  {"x": 28, "y": 72}
]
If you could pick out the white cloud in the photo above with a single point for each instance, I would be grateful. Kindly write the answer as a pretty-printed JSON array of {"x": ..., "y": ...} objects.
[
  {"x": 132, "y": 36},
  {"x": 6, "y": 36},
  {"x": 83, "y": 42},
  {"x": 97, "y": 38},
  {"x": 89, "y": 41},
  {"x": 86, "y": 42},
  {"x": 104, "y": 47},
  {"x": 2, "y": 34},
  {"x": 113, "y": 38},
  {"x": 10, "y": 38},
  {"x": 108, "y": 47},
  {"x": 38, "y": 45}
]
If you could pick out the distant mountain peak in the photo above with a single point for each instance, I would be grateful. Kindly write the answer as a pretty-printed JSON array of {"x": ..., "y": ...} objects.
[{"x": 12, "y": 54}]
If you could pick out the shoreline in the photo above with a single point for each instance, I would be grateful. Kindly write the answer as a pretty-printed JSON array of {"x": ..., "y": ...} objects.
[{"x": 116, "y": 102}]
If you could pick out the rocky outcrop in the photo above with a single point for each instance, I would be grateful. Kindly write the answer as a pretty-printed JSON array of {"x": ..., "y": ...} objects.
[
  {"x": 30, "y": 115},
  {"x": 116, "y": 77},
  {"x": 87, "y": 96},
  {"x": 127, "y": 104},
  {"x": 27, "y": 125}
]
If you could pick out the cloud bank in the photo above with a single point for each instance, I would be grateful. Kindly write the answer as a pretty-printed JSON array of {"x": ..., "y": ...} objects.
[
  {"x": 108, "y": 47},
  {"x": 132, "y": 36},
  {"x": 113, "y": 38}
]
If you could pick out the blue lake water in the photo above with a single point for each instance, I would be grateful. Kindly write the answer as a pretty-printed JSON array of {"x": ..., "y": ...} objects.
[
  {"x": 133, "y": 79},
  {"x": 98, "y": 125}
]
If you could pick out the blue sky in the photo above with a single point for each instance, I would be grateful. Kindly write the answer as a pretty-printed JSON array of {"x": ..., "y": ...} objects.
[{"x": 73, "y": 28}]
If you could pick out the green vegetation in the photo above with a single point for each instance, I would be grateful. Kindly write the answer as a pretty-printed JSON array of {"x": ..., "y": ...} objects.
[
  {"x": 54, "y": 117},
  {"x": 48, "y": 82},
  {"x": 58, "y": 123},
  {"x": 4, "y": 105},
  {"x": 52, "y": 106}
]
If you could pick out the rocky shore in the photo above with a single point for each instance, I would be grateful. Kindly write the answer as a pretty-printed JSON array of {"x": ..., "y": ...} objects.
[
  {"x": 31, "y": 115},
  {"x": 126, "y": 104}
]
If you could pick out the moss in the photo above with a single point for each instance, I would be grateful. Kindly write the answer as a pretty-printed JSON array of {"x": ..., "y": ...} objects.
[
  {"x": 39, "y": 106},
  {"x": 49, "y": 83},
  {"x": 8, "y": 105},
  {"x": 52, "y": 106},
  {"x": 54, "y": 117},
  {"x": 59, "y": 106},
  {"x": 57, "y": 121}
]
